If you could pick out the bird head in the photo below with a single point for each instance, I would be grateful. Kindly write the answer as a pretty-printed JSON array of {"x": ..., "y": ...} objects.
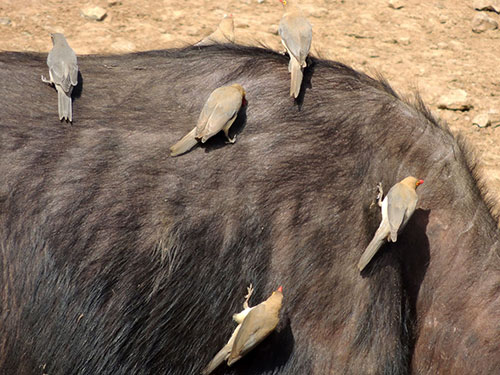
[
  {"x": 57, "y": 38},
  {"x": 412, "y": 182}
]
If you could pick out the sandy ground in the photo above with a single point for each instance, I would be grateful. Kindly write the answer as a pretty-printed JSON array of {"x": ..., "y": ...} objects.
[{"x": 425, "y": 45}]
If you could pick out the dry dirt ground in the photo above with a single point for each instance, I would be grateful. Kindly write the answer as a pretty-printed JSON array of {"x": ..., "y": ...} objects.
[{"x": 427, "y": 45}]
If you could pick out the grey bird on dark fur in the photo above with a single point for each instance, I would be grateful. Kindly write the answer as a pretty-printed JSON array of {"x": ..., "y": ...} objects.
[{"x": 63, "y": 74}]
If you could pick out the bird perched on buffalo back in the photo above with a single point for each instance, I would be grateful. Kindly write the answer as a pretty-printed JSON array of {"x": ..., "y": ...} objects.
[
  {"x": 296, "y": 35},
  {"x": 255, "y": 324},
  {"x": 63, "y": 74},
  {"x": 397, "y": 208},
  {"x": 223, "y": 34},
  {"x": 218, "y": 113}
]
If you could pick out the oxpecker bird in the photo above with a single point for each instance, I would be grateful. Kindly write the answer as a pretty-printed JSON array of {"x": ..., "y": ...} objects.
[
  {"x": 296, "y": 35},
  {"x": 223, "y": 34},
  {"x": 218, "y": 113},
  {"x": 63, "y": 74},
  {"x": 254, "y": 325},
  {"x": 397, "y": 208}
]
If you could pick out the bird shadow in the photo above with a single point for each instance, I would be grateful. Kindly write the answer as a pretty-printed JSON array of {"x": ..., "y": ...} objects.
[
  {"x": 219, "y": 140},
  {"x": 77, "y": 90},
  {"x": 306, "y": 83},
  {"x": 271, "y": 354},
  {"x": 412, "y": 251},
  {"x": 411, "y": 254}
]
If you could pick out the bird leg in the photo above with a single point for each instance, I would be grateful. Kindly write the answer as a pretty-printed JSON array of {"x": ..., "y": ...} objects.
[
  {"x": 229, "y": 140},
  {"x": 380, "y": 194},
  {"x": 247, "y": 297},
  {"x": 45, "y": 80}
]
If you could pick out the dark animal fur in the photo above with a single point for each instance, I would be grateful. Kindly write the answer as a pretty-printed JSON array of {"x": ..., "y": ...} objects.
[{"x": 117, "y": 259}]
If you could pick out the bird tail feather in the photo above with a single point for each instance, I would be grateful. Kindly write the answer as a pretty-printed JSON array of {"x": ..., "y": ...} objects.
[
  {"x": 372, "y": 248},
  {"x": 64, "y": 105},
  {"x": 297, "y": 75},
  {"x": 185, "y": 144},
  {"x": 220, "y": 357}
]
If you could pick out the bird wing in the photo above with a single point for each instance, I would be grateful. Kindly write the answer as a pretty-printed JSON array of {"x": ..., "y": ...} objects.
[
  {"x": 296, "y": 33},
  {"x": 255, "y": 328},
  {"x": 221, "y": 107},
  {"x": 63, "y": 68},
  {"x": 400, "y": 201}
]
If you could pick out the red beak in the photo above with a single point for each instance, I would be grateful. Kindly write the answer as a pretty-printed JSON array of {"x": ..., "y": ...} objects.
[
  {"x": 280, "y": 289},
  {"x": 420, "y": 182}
]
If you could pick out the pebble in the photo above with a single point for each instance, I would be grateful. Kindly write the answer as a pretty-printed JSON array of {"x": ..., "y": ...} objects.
[
  {"x": 94, "y": 13},
  {"x": 5, "y": 21},
  {"x": 396, "y": 4},
  {"x": 456, "y": 100},
  {"x": 482, "y": 120},
  {"x": 491, "y": 5},
  {"x": 317, "y": 12},
  {"x": 123, "y": 45},
  {"x": 481, "y": 22},
  {"x": 404, "y": 40},
  {"x": 273, "y": 29}
]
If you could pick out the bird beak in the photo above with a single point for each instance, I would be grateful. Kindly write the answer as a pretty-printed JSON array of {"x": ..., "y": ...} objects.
[
  {"x": 280, "y": 289},
  {"x": 420, "y": 182}
]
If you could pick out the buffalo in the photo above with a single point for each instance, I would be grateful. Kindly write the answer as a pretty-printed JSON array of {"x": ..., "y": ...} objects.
[{"x": 118, "y": 259}]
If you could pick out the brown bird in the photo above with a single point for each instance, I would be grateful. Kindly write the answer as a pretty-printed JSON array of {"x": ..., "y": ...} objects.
[
  {"x": 397, "y": 208},
  {"x": 255, "y": 324},
  {"x": 223, "y": 34},
  {"x": 218, "y": 113},
  {"x": 296, "y": 35}
]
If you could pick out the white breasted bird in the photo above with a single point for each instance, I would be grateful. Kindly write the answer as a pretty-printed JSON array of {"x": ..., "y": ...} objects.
[
  {"x": 63, "y": 74},
  {"x": 223, "y": 34},
  {"x": 296, "y": 35},
  {"x": 397, "y": 208},
  {"x": 254, "y": 325},
  {"x": 218, "y": 113}
]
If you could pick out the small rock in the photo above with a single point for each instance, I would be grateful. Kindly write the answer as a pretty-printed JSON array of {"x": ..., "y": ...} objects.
[
  {"x": 404, "y": 40},
  {"x": 112, "y": 3},
  {"x": 455, "y": 101},
  {"x": 396, "y": 4},
  {"x": 317, "y": 12},
  {"x": 94, "y": 13},
  {"x": 491, "y": 5},
  {"x": 481, "y": 22},
  {"x": 176, "y": 14},
  {"x": 482, "y": 120},
  {"x": 273, "y": 29},
  {"x": 123, "y": 45},
  {"x": 443, "y": 19},
  {"x": 5, "y": 21},
  {"x": 456, "y": 45},
  {"x": 443, "y": 45},
  {"x": 260, "y": 1}
]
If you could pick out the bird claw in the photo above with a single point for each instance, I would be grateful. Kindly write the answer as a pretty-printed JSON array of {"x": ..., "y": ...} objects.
[
  {"x": 45, "y": 80},
  {"x": 380, "y": 194},
  {"x": 247, "y": 297},
  {"x": 230, "y": 140}
]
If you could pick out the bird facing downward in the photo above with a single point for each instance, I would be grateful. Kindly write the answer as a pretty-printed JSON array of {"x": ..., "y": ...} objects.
[{"x": 397, "y": 208}]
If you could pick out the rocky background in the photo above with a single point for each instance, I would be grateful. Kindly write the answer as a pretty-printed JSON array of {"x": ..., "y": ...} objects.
[{"x": 447, "y": 49}]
